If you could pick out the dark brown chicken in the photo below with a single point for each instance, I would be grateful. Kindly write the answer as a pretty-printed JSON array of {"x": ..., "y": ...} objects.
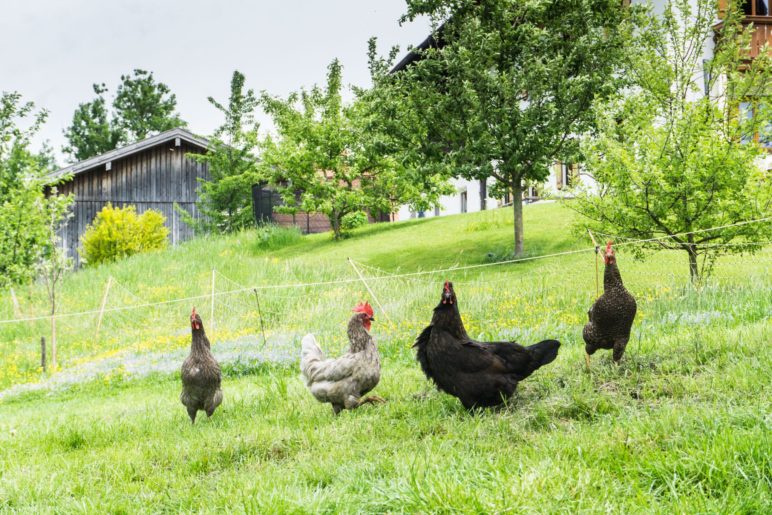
[
  {"x": 611, "y": 316},
  {"x": 480, "y": 374},
  {"x": 200, "y": 374}
]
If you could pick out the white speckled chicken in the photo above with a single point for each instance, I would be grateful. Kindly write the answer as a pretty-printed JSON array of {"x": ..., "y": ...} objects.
[{"x": 343, "y": 381}]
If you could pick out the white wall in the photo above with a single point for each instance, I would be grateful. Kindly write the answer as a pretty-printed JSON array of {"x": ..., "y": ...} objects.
[{"x": 451, "y": 204}]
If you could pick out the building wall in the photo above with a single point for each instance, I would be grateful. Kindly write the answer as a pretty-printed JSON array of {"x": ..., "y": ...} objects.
[
  {"x": 155, "y": 178},
  {"x": 452, "y": 204}
]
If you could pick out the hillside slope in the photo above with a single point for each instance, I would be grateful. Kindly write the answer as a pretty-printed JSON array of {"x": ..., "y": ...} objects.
[{"x": 681, "y": 426}]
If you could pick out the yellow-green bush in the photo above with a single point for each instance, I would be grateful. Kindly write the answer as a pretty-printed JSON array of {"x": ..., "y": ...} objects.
[{"x": 118, "y": 232}]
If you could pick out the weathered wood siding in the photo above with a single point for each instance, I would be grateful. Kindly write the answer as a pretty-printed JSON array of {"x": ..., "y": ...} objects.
[{"x": 155, "y": 178}]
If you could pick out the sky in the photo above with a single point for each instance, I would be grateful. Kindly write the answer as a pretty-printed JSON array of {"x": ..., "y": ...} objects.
[{"x": 52, "y": 51}]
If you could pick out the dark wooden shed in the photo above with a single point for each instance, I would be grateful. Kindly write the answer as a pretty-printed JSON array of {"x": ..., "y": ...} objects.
[{"x": 154, "y": 173}]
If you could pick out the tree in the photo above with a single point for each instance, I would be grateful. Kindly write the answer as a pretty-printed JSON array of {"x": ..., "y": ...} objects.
[
  {"x": 52, "y": 266},
  {"x": 225, "y": 200},
  {"x": 143, "y": 106},
  {"x": 508, "y": 86},
  {"x": 327, "y": 161},
  {"x": 92, "y": 131},
  {"x": 675, "y": 154},
  {"x": 26, "y": 212}
]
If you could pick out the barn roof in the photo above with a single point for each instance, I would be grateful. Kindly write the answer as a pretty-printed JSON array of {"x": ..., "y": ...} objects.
[
  {"x": 415, "y": 54},
  {"x": 133, "y": 148}
]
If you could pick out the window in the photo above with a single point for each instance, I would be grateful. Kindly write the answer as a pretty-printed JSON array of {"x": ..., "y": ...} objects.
[
  {"x": 565, "y": 171},
  {"x": 764, "y": 136},
  {"x": 437, "y": 210},
  {"x": 756, "y": 7},
  {"x": 463, "y": 202}
]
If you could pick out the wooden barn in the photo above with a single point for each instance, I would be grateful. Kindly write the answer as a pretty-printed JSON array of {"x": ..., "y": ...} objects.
[{"x": 154, "y": 173}]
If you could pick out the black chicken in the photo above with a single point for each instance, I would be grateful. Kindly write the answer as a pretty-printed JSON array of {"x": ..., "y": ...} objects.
[
  {"x": 480, "y": 374},
  {"x": 200, "y": 374},
  {"x": 611, "y": 316}
]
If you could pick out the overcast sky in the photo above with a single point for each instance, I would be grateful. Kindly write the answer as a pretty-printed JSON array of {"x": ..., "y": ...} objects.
[{"x": 51, "y": 51}]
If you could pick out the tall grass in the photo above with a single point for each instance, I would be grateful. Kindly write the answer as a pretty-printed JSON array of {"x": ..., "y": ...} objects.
[{"x": 681, "y": 426}]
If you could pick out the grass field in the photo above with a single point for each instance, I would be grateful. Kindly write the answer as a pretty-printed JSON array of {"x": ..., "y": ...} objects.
[{"x": 682, "y": 426}]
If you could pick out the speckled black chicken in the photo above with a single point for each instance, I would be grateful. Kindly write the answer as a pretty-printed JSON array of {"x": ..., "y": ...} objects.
[
  {"x": 343, "y": 381},
  {"x": 201, "y": 375},
  {"x": 611, "y": 316},
  {"x": 480, "y": 374}
]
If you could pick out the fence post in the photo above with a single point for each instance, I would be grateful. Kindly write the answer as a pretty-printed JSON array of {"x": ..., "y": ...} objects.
[
  {"x": 53, "y": 341},
  {"x": 361, "y": 278},
  {"x": 43, "y": 352},
  {"x": 260, "y": 314},
  {"x": 102, "y": 306},
  {"x": 597, "y": 250},
  {"x": 211, "y": 311},
  {"x": 16, "y": 308}
]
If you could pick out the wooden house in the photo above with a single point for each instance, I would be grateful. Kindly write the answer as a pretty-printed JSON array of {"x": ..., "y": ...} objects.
[{"x": 154, "y": 173}]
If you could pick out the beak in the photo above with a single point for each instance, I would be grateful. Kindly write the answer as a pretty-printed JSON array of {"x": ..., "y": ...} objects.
[{"x": 372, "y": 319}]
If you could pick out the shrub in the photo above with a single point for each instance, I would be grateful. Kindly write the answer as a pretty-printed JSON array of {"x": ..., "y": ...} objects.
[
  {"x": 117, "y": 233},
  {"x": 353, "y": 220},
  {"x": 272, "y": 237}
]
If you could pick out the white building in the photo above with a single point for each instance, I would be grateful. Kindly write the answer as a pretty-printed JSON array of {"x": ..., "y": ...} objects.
[{"x": 471, "y": 196}]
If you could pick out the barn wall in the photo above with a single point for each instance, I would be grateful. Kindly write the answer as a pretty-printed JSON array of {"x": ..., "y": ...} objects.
[{"x": 155, "y": 178}]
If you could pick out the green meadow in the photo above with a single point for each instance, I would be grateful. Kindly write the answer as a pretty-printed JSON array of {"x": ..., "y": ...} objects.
[{"x": 681, "y": 426}]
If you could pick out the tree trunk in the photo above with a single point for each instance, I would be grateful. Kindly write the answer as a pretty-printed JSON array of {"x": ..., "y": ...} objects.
[
  {"x": 694, "y": 271},
  {"x": 53, "y": 338},
  {"x": 483, "y": 194},
  {"x": 517, "y": 208},
  {"x": 335, "y": 220}
]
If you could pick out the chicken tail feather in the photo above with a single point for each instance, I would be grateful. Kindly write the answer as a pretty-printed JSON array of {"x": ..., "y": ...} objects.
[
  {"x": 310, "y": 354},
  {"x": 544, "y": 352}
]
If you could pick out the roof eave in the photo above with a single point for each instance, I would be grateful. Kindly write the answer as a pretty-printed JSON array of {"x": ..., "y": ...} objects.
[{"x": 119, "y": 153}]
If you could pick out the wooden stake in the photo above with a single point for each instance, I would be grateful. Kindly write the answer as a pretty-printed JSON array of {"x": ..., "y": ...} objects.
[
  {"x": 211, "y": 310},
  {"x": 53, "y": 341},
  {"x": 43, "y": 352},
  {"x": 361, "y": 278},
  {"x": 597, "y": 249},
  {"x": 16, "y": 308},
  {"x": 260, "y": 314},
  {"x": 102, "y": 305},
  {"x": 597, "y": 286}
]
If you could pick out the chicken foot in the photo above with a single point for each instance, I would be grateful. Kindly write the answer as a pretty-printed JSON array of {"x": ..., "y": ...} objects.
[
  {"x": 372, "y": 399},
  {"x": 354, "y": 403}
]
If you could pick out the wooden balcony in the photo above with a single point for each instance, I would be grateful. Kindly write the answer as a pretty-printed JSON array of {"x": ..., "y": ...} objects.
[
  {"x": 757, "y": 12},
  {"x": 762, "y": 33}
]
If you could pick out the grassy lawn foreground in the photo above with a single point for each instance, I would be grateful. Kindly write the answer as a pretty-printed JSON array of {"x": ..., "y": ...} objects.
[{"x": 682, "y": 426}]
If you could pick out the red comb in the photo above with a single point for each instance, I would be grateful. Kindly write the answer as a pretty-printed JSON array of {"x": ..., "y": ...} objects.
[
  {"x": 608, "y": 246},
  {"x": 447, "y": 285},
  {"x": 193, "y": 313},
  {"x": 364, "y": 307}
]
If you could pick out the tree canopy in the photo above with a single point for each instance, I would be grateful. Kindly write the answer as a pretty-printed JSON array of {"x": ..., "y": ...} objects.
[
  {"x": 225, "y": 200},
  {"x": 676, "y": 153},
  {"x": 507, "y": 87},
  {"x": 27, "y": 215},
  {"x": 327, "y": 158},
  {"x": 92, "y": 131},
  {"x": 142, "y": 106}
]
